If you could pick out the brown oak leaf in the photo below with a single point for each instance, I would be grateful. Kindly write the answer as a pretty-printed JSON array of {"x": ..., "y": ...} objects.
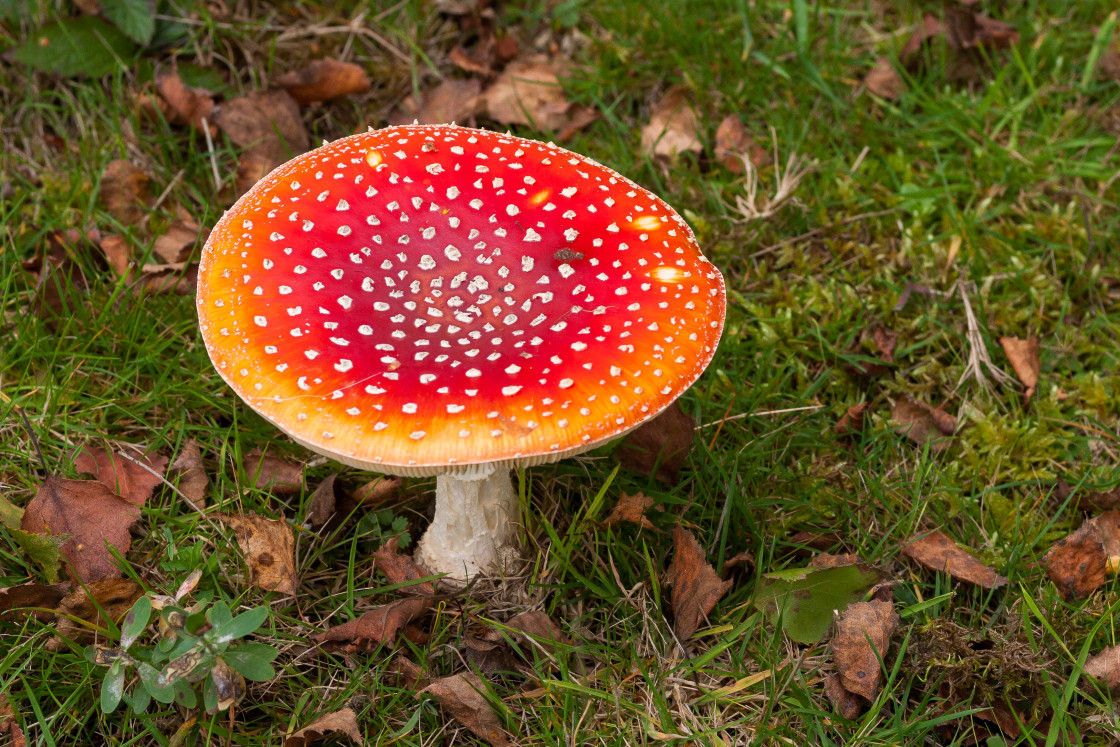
[
  {"x": 95, "y": 603},
  {"x": 94, "y": 518},
  {"x": 631, "y": 509},
  {"x": 673, "y": 126},
  {"x": 271, "y": 473},
  {"x": 660, "y": 447},
  {"x": 924, "y": 424},
  {"x": 938, "y": 552},
  {"x": 1023, "y": 355},
  {"x": 193, "y": 479},
  {"x": 402, "y": 569},
  {"x": 132, "y": 481},
  {"x": 461, "y": 696},
  {"x": 376, "y": 627},
  {"x": 269, "y": 546},
  {"x": 1105, "y": 667},
  {"x": 1078, "y": 563},
  {"x": 124, "y": 191},
  {"x": 323, "y": 80},
  {"x": 863, "y": 634},
  {"x": 32, "y": 599},
  {"x": 696, "y": 587},
  {"x": 184, "y": 105},
  {"x": 321, "y": 506},
  {"x": 328, "y": 725}
]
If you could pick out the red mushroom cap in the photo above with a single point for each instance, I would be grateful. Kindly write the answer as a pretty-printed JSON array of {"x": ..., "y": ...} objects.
[{"x": 421, "y": 299}]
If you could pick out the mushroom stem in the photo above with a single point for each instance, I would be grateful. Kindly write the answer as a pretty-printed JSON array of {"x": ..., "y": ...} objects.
[{"x": 473, "y": 527}]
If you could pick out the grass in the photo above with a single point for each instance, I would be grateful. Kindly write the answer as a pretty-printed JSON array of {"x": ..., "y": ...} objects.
[{"x": 1005, "y": 181}]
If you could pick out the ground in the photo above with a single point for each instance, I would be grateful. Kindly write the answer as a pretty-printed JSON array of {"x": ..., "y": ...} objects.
[{"x": 969, "y": 197}]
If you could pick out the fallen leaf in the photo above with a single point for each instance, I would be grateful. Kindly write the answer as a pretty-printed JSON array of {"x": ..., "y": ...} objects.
[
  {"x": 930, "y": 28},
  {"x": 32, "y": 599},
  {"x": 124, "y": 191},
  {"x": 1023, "y": 355},
  {"x": 9, "y": 725},
  {"x": 378, "y": 491},
  {"x": 43, "y": 550},
  {"x": 178, "y": 241},
  {"x": 93, "y": 518},
  {"x": 193, "y": 479},
  {"x": 402, "y": 569},
  {"x": 884, "y": 340},
  {"x": 1078, "y": 563},
  {"x": 528, "y": 92},
  {"x": 1109, "y": 524},
  {"x": 406, "y": 673},
  {"x": 377, "y": 627},
  {"x": 536, "y": 625},
  {"x": 323, "y": 80},
  {"x": 696, "y": 587},
  {"x": 924, "y": 424},
  {"x": 269, "y": 546},
  {"x": 1105, "y": 667},
  {"x": 816, "y": 540},
  {"x": 910, "y": 290},
  {"x": 828, "y": 560},
  {"x": 271, "y": 473},
  {"x": 733, "y": 144},
  {"x": 183, "y": 105},
  {"x": 673, "y": 126},
  {"x": 118, "y": 253},
  {"x": 123, "y": 476},
  {"x": 1003, "y": 717},
  {"x": 863, "y": 635},
  {"x": 344, "y": 721},
  {"x": 453, "y": 100},
  {"x": 852, "y": 422},
  {"x": 461, "y": 696},
  {"x": 938, "y": 552},
  {"x": 847, "y": 704},
  {"x": 180, "y": 279},
  {"x": 631, "y": 509},
  {"x": 804, "y": 600},
  {"x": 268, "y": 126},
  {"x": 321, "y": 505},
  {"x": 488, "y": 657},
  {"x": 884, "y": 81},
  {"x": 96, "y": 603},
  {"x": 660, "y": 447},
  {"x": 968, "y": 30}
]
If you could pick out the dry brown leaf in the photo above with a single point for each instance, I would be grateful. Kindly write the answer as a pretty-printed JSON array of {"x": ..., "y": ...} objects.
[
  {"x": 123, "y": 476},
  {"x": 180, "y": 279},
  {"x": 30, "y": 599},
  {"x": 696, "y": 586},
  {"x": 673, "y": 126},
  {"x": 930, "y": 28},
  {"x": 537, "y": 625},
  {"x": 824, "y": 560},
  {"x": 177, "y": 242},
  {"x": 847, "y": 704},
  {"x": 193, "y": 479},
  {"x": 1077, "y": 564},
  {"x": 1023, "y": 355},
  {"x": 733, "y": 144},
  {"x": 323, "y": 80},
  {"x": 118, "y": 253},
  {"x": 328, "y": 725},
  {"x": 852, "y": 422},
  {"x": 966, "y": 29},
  {"x": 183, "y": 105},
  {"x": 528, "y": 92},
  {"x": 1105, "y": 667},
  {"x": 863, "y": 635},
  {"x": 461, "y": 696},
  {"x": 1109, "y": 524},
  {"x": 453, "y": 100},
  {"x": 402, "y": 569},
  {"x": 938, "y": 552},
  {"x": 884, "y": 81},
  {"x": 321, "y": 505},
  {"x": 9, "y": 725},
  {"x": 884, "y": 341},
  {"x": 124, "y": 191},
  {"x": 924, "y": 424},
  {"x": 660, "y": 447},
  {"x": 268, "y": 126},
  {"x": 271, "y": 473},
  {"x": 376, "y": 627},
  {"x": 269, "y": 546},
  {"x": 405, "y": 673},
  {"x": 93, "y": 517},
  {"x": 378, "y": 491},
  {"x": 111, "y": 596},
  {"x": 488, "y": 657},
  {"x": 631, "y": 509}
]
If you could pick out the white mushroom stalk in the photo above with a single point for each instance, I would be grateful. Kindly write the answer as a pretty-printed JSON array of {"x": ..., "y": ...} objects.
[
  {"x": 438, "y": 300},
  {"x": 474, "y": 529}
]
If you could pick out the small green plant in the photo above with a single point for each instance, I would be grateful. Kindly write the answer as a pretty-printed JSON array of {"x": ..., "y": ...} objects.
[
  {"x": 380, "y": 526},
  {"x": 192, "y": 645}
]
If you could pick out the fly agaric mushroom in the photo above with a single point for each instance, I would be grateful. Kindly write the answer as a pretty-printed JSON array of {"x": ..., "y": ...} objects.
[{"x": 439, "y": 300}]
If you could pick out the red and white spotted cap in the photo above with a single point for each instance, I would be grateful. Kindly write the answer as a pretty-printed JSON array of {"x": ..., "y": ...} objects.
[{"x": 427, "y": 299}]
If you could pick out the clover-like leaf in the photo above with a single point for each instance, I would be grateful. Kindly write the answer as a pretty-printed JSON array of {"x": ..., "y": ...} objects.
[
  {"x": 135, "y": 621},
  {"x": 252, "y": 660},
  {"x": 240, "y": 626},
  {"x": 112, "y": 687}
]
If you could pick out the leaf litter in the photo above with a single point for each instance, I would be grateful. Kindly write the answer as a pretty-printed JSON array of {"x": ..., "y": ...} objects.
[
  {"x": 924, "y": 424},
  {"x": 938, "y": 552},
  {"x": 134, "y": 479},
  {"x": 341, "y": 722},
  {"x": 461, "y": 696},
  {"x": 696, "y": 587},
  {"x": 323, "y": 80},
  {"x": 631, "y": 509},
  {"x": 269, "y": 549},
  {"x": 863, "y": 635},
  {"x": 659, "y": 448},
  {"x": 1023, "y": 356}
]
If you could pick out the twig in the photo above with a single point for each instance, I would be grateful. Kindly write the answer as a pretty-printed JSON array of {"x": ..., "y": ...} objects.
[
  {"x": 213, "y": 155},
  {"x": 978, "y": 358},
  {"x": 758, "y": 414}
]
